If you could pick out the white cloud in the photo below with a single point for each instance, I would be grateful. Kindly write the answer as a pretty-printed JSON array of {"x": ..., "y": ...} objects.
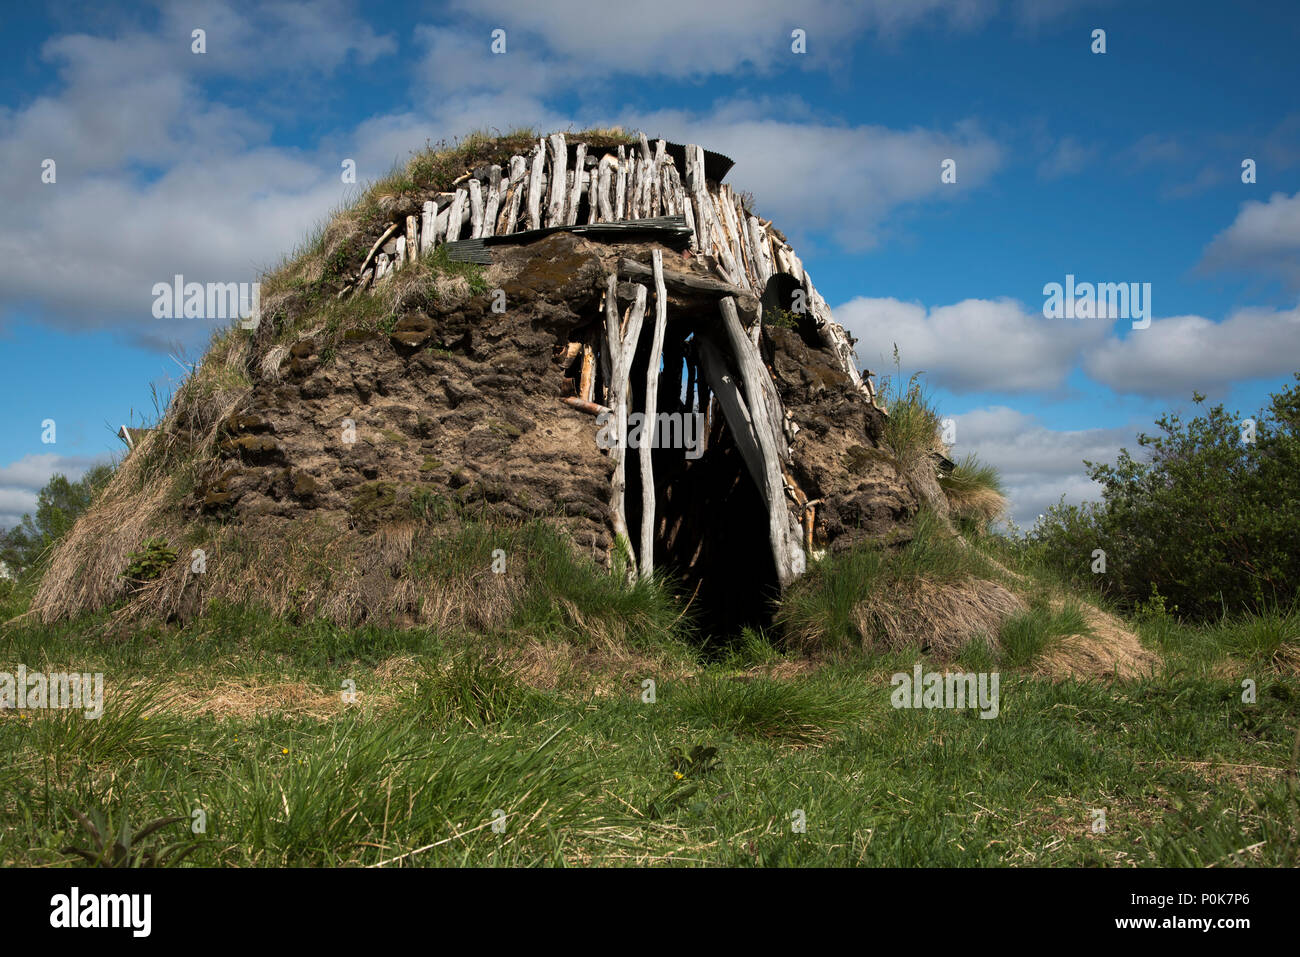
[
  {"x": 977, "y": 345},
  {"x": 1264, "y": 238},
  {"x": 1174, "y": 356},
  {"x": 688, "y": 39}
]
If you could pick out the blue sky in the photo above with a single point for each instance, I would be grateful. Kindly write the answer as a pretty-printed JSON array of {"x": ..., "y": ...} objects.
[{"x": 1115, "y": 167}]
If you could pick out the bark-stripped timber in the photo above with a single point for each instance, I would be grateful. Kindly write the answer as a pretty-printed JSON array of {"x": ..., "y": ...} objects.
[
  {"x": 623, "y": 348},
  {"x": 737, "y": 220},
  {"x": 399, "y": 254},
  {"x": 587, "y": 374},
  {"x": 375, "y": 248},
  {"x": 381, "y": 267},
  {"x": 583, "y": 405},
  {"x": 571, "y": 352},
  {"x": 651, "y": 416},
  {"x": 440, "y": 224},
  {"x": 454, "y": 215},
  {"x": 569, "y": 216},
  {"x": 606, "y": 365},
  {"x": 633, "y": 192},
  {"x": 607, "y": 166},
  {"x": 694, "y": 188},
  {"x": 413, "y": 237},
  {"x": 475, "y": 209},
  {"x": 684, "y": 206},
  {"x": 514, "y": 198},
  {"x": 765, "y": 410},
  {"x": 728, "y": 213},
  {"x": 713, "y": 370},
  {"x": 620, "y": 185},
  {"x": 657, "y": 205},
  {"x": 707, "y": 223},
  {"x": 758, "y": 235},
  {"x": 535, "y": 186},
  {"x": 691, "y": 290},
  {"x": 493, "y": 203},
  {"x": 428, "y": 213},
  {"x": 559, "y": 181}
]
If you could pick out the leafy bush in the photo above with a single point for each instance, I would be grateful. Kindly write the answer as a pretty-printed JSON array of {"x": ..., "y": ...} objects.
[
  {"x": 1209, "y": 519},
  {"x": 151, "y": 561}
]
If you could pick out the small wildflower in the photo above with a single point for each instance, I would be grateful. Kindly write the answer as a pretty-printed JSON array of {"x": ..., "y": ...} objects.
[
  {"x": 284, "y": 750},
  {"x": 678, "y": 775}
]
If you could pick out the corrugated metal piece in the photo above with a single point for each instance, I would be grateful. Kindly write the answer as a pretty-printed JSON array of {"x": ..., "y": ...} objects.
[
  {"x": 469, "y": 251},
  {"x": 670, "y": 230}
]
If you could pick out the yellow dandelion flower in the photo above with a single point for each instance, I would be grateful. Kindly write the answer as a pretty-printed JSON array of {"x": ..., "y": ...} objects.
[
  {"x": 678, "y": 775},
  {"x": 284, "y": 750}
]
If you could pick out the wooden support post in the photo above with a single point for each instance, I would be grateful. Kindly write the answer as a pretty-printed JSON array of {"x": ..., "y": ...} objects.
[
  {"x": 535, "y": 186},
  {"x": 649, "y": 428},
  {"x": 622, "y": 349},
  {"x": 559, "y": 184},
  {"x": 493, "y": 204},
  {"x": 620, "y": 185},
  {"x": 475, "y": 209},
  {"x": 765, "y": 410},
  {"x": 607, "y": 166},
  {"x": 428, "y": 215},
  {"x": 455, "y": 214}
]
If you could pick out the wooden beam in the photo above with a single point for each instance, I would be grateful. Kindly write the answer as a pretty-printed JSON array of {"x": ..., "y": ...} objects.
[
  {"x": 535, "y": 187},
  {"x": 455, "y": 215},
  {"x": 559, "y": 185},
  {"x": 428, "y": 216},
  {"x": 492, "y": 206},
  {"x": 622, "y": 349},
  {"x": 683, "y": 280},
  {"x": 765, "y": 411},
  {"x": 475, "y": 209},
  {"x": 650, "y": 419}
]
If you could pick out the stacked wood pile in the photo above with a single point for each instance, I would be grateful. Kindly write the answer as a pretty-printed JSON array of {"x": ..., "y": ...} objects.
[{"x": 540, "y": 190}]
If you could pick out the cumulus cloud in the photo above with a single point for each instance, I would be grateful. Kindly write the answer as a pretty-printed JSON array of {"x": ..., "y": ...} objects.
[
  {"x": 155, "y": 179},
  {"x": 1264, "y": 238},
  {"x": 982, "y": 345},
  {"x": 977, "y": 345},
  {"x": 1180, "y": 354}
]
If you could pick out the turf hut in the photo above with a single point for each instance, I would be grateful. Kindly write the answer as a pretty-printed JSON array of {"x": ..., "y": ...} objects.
[{"x": 592, "y": 333}]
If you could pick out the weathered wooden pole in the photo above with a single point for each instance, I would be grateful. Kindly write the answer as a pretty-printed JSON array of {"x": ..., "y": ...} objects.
[{"x": 649, "y": 428}]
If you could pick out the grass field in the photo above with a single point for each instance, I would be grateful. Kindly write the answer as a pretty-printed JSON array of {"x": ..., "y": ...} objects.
[{"x": 556, "y": 743}]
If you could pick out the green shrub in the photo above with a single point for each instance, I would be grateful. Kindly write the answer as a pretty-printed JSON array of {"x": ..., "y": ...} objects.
[
  {"x": 1209, "y": 519},
  {"x": 151, "y": 561}
]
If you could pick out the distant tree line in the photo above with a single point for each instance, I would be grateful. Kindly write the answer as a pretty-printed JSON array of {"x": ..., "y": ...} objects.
[{"x": 27, "y": 546}]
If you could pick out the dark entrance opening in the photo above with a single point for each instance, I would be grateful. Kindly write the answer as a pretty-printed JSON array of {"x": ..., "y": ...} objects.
[{"x": 711, "y": 534}]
